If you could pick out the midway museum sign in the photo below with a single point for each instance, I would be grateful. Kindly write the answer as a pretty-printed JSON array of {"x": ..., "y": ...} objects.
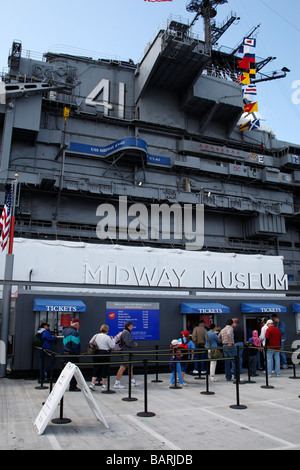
[{"x": 116, "y": 265}]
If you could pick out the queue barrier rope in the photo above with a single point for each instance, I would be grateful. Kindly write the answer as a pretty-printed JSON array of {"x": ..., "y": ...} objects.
[{"x": 163, "y": 352}]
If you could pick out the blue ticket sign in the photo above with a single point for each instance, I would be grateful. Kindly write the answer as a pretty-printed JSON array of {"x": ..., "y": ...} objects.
[{"x": 145, "y": 317}]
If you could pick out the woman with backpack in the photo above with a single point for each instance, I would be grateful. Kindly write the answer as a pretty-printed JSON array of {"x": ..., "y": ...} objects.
[{"x": 126, "y": 344}]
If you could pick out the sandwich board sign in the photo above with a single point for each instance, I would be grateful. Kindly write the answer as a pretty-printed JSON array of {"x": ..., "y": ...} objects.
[{"x": 57, "y": 393}]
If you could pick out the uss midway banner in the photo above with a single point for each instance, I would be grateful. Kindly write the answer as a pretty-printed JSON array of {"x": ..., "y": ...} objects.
[{"x": 116, "y": 265}]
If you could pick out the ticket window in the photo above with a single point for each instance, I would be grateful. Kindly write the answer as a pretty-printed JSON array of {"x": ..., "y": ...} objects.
[
  {"x": 58, "y": 321},
  {"x": 192, "y": 320}
]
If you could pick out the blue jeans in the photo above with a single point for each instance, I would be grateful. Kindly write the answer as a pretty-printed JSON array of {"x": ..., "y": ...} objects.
[
  {"x": 178, "y": 369},
  {"x": 199, "y": 356},
  {"x": 276, "y": 356},
  {"x": 229, "y": 352},
  {"x": 44, "y": 364}
]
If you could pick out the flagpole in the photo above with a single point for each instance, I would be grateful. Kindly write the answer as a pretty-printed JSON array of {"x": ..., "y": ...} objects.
[{"x": 8, "y": 276}]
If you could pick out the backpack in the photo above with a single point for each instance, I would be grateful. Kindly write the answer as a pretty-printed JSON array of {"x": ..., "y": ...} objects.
[
  {"x": 38, "y": 340},
  {"x": 118, "y": 341}
]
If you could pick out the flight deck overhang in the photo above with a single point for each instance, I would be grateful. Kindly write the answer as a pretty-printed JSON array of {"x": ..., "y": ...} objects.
[{"x": 172, "y": 62}]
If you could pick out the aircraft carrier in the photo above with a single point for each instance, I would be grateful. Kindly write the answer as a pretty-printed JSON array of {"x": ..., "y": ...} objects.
[{"x": 83, "y": 131}]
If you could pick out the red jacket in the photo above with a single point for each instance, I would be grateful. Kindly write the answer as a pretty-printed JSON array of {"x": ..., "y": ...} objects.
[{"x": 273, "y": 336}]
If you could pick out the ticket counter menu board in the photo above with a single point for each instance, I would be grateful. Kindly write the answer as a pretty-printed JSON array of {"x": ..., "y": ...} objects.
[{"x": 145, "y": 317}]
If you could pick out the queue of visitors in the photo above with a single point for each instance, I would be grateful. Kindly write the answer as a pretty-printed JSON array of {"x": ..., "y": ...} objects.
[
  {"x": 215, "y": 343},
  {"x": 198, "y": 344}
]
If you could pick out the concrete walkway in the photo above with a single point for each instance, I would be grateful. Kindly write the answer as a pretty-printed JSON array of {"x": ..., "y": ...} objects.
[{"x": 185, "y": 419}]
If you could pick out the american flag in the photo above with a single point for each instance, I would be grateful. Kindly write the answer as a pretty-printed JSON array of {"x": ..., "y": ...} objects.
[{"x": 5, "y": 220}]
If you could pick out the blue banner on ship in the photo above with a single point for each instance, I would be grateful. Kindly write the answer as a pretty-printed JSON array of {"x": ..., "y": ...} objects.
[{"x": 122, "y": 144}]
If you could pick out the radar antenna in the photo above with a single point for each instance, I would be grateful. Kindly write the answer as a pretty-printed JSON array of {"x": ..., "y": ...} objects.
[{"x": 206, "y": 9}]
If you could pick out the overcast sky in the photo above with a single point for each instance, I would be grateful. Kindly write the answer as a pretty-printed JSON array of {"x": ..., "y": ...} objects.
[{"x": 122, "y": 28}]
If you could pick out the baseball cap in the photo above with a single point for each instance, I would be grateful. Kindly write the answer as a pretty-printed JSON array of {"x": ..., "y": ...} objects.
[
  {"x": 75, "y": 320},
  {"x": 185, "y": 333},
  {"x": 175, "y": 342}
]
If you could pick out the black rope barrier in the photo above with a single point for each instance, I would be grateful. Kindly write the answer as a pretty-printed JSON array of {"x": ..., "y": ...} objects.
[{"x": 156, "y": 361}]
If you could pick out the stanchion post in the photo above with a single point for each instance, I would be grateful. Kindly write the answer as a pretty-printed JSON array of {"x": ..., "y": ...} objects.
[
  {"x": 267, "y": 372},
  {"x": 199, "y": 370},
  {"x": 207, "y": 392},
  {"x": 175, "y": 386},
  {"x": 156, "y": 367},
  {"x": 42, "y": 386},
  {"x": 238, "y": 406},
  {"x": 52, "y": 358},
  {"x": 108, "y": 391},
  {"x": 145, "y": 413},
  {"x": 61, "y": 419},
  {"x": 129, "y": 398}
]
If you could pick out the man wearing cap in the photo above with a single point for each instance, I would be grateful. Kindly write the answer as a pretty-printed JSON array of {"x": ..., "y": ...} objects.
[
  {"x": 71, "y": 343},
  {"x": 127, "y": 344},
  {"x": 273, "y": 342}
]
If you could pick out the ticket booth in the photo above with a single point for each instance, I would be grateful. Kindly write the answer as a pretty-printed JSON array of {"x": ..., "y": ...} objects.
[
  {"x": 254, "y": 312},
  {"x": 206, "y": 311},
  {"x": 57, "y": 312}
]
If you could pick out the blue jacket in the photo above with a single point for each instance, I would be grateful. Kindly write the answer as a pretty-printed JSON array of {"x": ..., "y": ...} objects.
[
  {"x": 47, "y": 338},
  {"x": 213, "y": 338},
  {"x": 71, "y": 341},
  {"x": 282, "y": 327}
]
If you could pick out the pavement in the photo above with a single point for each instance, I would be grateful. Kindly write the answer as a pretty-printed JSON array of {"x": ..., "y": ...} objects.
[{"x": 183, "y": 420}]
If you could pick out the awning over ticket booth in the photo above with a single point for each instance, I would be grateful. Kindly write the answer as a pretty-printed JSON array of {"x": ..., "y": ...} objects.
[
  {"x": 58, "y": 305},
  {"x": 262, "y": 308},
  {"x": 203, "y": 308},
  {"x": 296, "y": 308}
]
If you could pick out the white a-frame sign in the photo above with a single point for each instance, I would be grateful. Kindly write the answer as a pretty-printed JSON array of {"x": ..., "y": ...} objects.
[{"x": 57, "y": 393}]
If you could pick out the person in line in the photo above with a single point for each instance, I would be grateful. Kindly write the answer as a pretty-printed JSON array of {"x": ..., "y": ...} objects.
[
  {"x": 257, "y": 344},
  {"x": 281, "y": 325},
  {"x": 273, "y": 343},
  {"x": 263, "y": 330},
  {"x": 71, "y": 344},
  {"x": 175, "y": 365},
  {"x": 188, "y": 345},
  {"x": 104, "y": 344},
  {"x": 127, "y": 344},
  {"x": 252, "y": 357},
  {"x": 47, "y": 341},
  {"x": 198, "y": 337},
  {"x": 262, "y": 337},
  {"x": 212, "y": 341},
  {"x": 227, "y": 338}
]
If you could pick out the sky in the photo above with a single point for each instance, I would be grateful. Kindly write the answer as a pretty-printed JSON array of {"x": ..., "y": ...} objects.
[{"x": 122, "y": 29}]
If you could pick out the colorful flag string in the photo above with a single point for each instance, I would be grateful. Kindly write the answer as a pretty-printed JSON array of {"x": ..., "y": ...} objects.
[{"x": 248, "y": 71}]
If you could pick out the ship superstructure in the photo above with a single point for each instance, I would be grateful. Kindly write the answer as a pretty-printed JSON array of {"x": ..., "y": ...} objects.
[{"x": 82, "y": 132}]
